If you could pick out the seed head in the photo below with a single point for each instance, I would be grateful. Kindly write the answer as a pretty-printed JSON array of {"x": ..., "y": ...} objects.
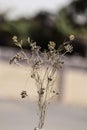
[
  {"x": 23, "y": 94},
  {"x": 71, "y": 37},
  {"x": 14, "y": 38}
]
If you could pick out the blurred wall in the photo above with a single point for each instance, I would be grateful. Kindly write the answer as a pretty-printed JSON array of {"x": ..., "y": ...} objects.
[{"x": 74, "y": 83}]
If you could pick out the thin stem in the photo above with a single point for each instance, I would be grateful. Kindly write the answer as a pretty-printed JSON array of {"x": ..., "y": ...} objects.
[{"x": 45, "y": 75}]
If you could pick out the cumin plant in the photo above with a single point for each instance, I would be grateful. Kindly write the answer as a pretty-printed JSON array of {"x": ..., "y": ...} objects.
[{"x": 52, "y": 61}]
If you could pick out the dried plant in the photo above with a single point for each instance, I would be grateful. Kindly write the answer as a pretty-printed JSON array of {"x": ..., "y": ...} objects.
[{"x": 52, "y": 61}]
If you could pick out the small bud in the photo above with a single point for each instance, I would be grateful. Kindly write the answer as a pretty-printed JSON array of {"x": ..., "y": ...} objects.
[
  {"x": 33, "y": 76},
  {"x": 14, "y": 38},
  {"x": 28, "y": 39},
  {"x": 23, "y": 94},
  {"x": 49, "y": 79},
  {"x": 57, "y": 93},
  {"x": 71, "y": 37},
  {"x": 68, "y": 48},
  {"x": 41, "y": 91},
  {"x": 53, "y": 91}
]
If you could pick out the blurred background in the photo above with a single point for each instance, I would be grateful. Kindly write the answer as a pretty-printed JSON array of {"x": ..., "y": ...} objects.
[{"x": 44, "y": 21}]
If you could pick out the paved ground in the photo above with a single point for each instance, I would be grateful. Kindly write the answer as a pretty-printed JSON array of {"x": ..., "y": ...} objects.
[{"x": 22, "y": 115}]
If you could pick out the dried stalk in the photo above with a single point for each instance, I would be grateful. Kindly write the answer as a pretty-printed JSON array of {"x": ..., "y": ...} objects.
[{"x": 52, "y": 60}]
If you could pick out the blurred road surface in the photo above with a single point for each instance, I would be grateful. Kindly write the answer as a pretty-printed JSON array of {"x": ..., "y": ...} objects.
[{"x": 22, "y": 115}]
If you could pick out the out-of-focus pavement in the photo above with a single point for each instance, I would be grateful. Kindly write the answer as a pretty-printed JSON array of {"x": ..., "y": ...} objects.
[{"x": 22, "y": 115}]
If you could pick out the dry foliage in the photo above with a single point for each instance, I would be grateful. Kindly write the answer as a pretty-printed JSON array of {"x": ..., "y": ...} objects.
[{"x": 52, "y": 60}]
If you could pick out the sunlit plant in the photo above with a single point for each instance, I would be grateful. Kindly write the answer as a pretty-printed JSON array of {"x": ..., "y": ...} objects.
[{"x": 52, "y": 61}]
